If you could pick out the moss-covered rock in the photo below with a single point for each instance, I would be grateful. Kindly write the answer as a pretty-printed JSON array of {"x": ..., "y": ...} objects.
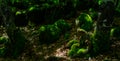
[
  {"x": 49, "y": 33},
  {"x": 85, "y": 21},
  {"x": 63, "y": 25}
]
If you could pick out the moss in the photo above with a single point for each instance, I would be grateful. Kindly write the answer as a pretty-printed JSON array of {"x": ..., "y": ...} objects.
[
  {"x": 2, "y": 51},
  {"x": 74, "y": 48},
  {"x": 93, "y": 14},
  {"x": 115, "y": 32},
  {"x": 71, "y": 42},
  {"x": 63, "y": 25},
  {"x": 85, "y": 22},
  {"x": 3, "y": 40},
  {"x": 49, "y": 33},
  {"x": 82, "y": 52},
  {"x": 20, "y": 18}
]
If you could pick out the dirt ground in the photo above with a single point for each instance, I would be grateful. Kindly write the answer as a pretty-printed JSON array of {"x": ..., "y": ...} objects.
[{"x": 57, "y": 51}]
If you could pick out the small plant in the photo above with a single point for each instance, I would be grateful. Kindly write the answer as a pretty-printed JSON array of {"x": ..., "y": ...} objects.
[{"x": 85, "y": 22}]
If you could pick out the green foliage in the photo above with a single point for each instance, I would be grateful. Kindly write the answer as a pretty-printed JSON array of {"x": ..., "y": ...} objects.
[
  {"x": 2, "y": 51},
  {"x": 84, "y": 36},
  {"x": 63, "y": 25},
  {"x": 3, "y": 43},
  {"x": 3, "y": 40},
  {"x": 82, "y": 52},
  {"x": 49, "y": 33},
  {"x": 20, "y": 18},
  {"x": 74, "y": 48},
  {"x": 115, "y": 32},
  {"x": 95, "y": 48},
  {"x": 118, "y": 7},
  {"x": 71, "y": 42},
  {"x": 85, "y": 22},
  {"x": 77, "y": 49},
  {"x": 20, "y": 12},
  {"x": 93, "y": 14}
]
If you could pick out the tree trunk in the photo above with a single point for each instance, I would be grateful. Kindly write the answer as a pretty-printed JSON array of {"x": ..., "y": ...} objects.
[
  {"x": 102, "y": 34},
  {"x": 17, "y": 40}
]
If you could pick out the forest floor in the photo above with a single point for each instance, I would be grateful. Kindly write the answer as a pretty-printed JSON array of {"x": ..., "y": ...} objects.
[{"x": 56, "y": 51}]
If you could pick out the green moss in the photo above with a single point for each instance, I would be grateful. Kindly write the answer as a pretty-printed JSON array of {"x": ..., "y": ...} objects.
[
  {"x": 3, "y": 40},
  {"x": 32, "y": 8},
  {"x": 82, "y": 52},
  {"x": 74, "y": 48},
  {"x": 93, "y": 14},
  {"x": 67, "y": 35},
  {"x": 71, "y": 42},
  {"x": 115, "y": 32},
  {"x": 85, "y": 22},
  {"x": 49, "y": 33},
  {"x": 20, "y": 12},
  {"x": 63, "y": 25},
  {"x": 2, "y": 51}
]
